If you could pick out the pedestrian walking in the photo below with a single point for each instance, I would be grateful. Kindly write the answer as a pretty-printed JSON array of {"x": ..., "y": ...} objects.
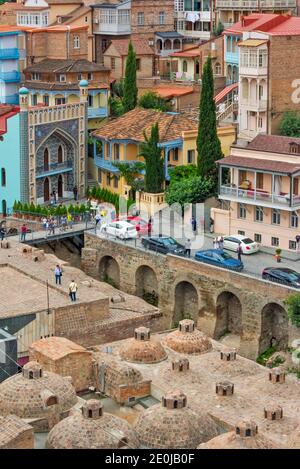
[
  {"x": 187, "y": 248},
  {"x": 240, "y": 251},
  {"x": 64, "y": 223},
  {"x": 58, "y": 274},
  {"x": 211, "y": 225},
  {"x": 194, "y": 225},
  {"x": 23, "y": 232},
  {"x": 73, "y": 290},
  {"x": 54, "y": 196},
  {"x": 298, "y": 242},
  {"x": 2, "y": 233},
  {"x": 70, "y": 220},
  {"x": 221, "y": 242},
  {"x": 75, "y": 192},
  {"x": 215, "y": 243},
  {"x": 97, "y": 219}
]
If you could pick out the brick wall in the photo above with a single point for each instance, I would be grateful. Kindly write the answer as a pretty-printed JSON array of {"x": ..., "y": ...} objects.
[
  {"x": 151, "y": 9},
  {"x": 124, "y": 392},
  {"x": 54, "y": 45}
]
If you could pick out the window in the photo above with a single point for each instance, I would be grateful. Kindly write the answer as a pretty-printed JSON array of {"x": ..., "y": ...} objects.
[
  {"x": 292, "y": 245},
  {"x": 90, "y": 76},
  {"x": 242, "y": 213},
  {"x": 241, "y": 233},
  {"x": 61, "y": 77},
  {"x": 191, "y": 156},
  {"x": 46, "y": 159},
  {"x": 184, "y": 66},
  {"x": 3, "y": 177},
  {"x": 296, "y": 186},
  {"x": 108, "y": 179},
  {"x": 46, "y": 100},
  {"x": 218, "y": 70},
  {"x": 175, "y": 154},
  {"x": 35, "y": 76},
  {"x": 275, "y": 241},
  {"x": 90, "y": 100},
  {"x": 257, "y": 238},
  {"x": 260, "y": 122},
  {"x": 276, "y": 217},
  {"x": 161, "y": 17},
  {"x": 86, "y": 19},
  {"x": 59, "y": 101},
  {"x": 140, "y": 18},
  {"x": 294, "y": 220},
  {"x": 116, "y": 182},
  {"x": 79, "y": 76},
  {"x": 60, "y": 154},
  {"x": 242, "y": 176},
  {"x": 34, "y": 99},
  {"x": 76, "y": 42},
  {"x": 117, "y": 151},
  {"x": 112, "y": 63},
  {"x": 259, "y": 214},
  {"x": 259, "y": 180},
  {"x": 138, "y": 64}
]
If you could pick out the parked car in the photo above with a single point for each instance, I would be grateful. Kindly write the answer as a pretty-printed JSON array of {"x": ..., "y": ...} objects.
[
  {"x": 248, "y": 245},
  {"x": 219, "y": 258},
  {"x": 163, "y": 244},
  {"x": 282, "y": 275},
  {"x": 142, "y": 226},
  {"x": 121, "y": 229}
]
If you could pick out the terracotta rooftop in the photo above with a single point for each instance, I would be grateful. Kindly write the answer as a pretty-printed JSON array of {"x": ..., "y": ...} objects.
[
  {"x": 173, "y": 91},
  {"x": 64, "y": 66},
  {"x": 74, "y": 14},
  {"x": 56, "y": 347},
  {"x": 61, "y": 86},
  {"x": 140, "y": 46},
  {"x": 273, "y": 143},
  {"x": 132, "y": 125},
  {"x": 191, "y": 52},
  {"x": 259, "y": 164}
]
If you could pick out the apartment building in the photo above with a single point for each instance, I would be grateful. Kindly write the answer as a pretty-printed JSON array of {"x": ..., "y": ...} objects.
[
  {"x": 194, "y": 19},
  {"x": 261, "y": 199}
]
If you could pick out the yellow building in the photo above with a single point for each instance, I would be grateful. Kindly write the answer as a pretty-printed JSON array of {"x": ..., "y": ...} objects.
[{"x": 120, "y": 140}]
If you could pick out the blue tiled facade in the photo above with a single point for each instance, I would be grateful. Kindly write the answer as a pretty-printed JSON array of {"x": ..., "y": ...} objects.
[{"x": 10, "y": 76}]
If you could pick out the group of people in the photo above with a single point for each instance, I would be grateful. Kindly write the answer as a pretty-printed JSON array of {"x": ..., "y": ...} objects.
[
  {"x": 218, "y": 243},
  {"x": 73, "y": 287},
  {"x": 53, "y": 195}
]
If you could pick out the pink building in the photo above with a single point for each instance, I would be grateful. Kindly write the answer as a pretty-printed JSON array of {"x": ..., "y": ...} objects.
[{"x": 260, "y": 192}]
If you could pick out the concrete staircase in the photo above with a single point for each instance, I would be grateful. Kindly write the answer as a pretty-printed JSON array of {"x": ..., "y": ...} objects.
[{"x": 92, "y": 182}]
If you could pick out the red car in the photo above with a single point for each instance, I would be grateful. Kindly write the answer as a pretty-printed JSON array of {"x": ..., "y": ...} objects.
[{"x": 141, "y": 225}]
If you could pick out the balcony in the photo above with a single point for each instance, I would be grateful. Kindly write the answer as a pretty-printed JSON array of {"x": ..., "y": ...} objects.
[
  {"x": 94, "y": 112},
  {"x": 255, "y": 4},
  {"x": 258, "y": 197},
  {"x": 53, "y": 168},
  {"x": 114, "y": 22},
  {"x": 10, "y": 77},
  {"x": 12, "y": 53},
  {"x": 202, "y": 15},
  {"x": 253, "y": 105},
  {"x": 232, "y": 58},
  {"x": 106, "y": 165}
]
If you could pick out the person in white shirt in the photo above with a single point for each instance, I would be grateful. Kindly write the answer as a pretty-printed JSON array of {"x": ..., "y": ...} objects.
[{"x": 72, "y": 290}]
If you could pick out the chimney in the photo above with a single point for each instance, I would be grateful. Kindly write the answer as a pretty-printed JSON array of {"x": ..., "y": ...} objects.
[
  {"x": 142, "y": 333},
  {"x": 224, "y": 388},
  {"x": 246, "y": 429},
  {"x": 174, "y": 400},
  {"x": 187, "y": 325},
  {"x": 180, "y": 364},
  {"x": 276, "y": 375},
  {"x": 273, "y": 412},
  {"x": 228, "y": 355}
]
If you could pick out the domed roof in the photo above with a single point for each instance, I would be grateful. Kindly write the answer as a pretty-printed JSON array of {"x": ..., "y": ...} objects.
[
  {"x": 172, "y": 424},
  {"x": 245, "y": 436},
  {"x": 91, "y": 428},
  {"x": 294, "y": 441},
  {"x": 23, "y": 90},
  {"x": 83, "y": 83},
  {"x": 36, "y": 394},
  {"x": 187, "y": 339},
  {"x": 141, "y": 349}
]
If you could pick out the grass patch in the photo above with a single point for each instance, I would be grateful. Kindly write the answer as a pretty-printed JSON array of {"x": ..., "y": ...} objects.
[{"x": 264, "y": 357}]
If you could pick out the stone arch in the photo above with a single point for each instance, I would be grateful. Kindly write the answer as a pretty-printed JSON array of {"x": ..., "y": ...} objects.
[
  {"x": 146, "y": 284},
  {"x": 109, "y": 271},
  {"x": 186, "y": 301},
  {"x": 228, "y": 315},
  {"x": 159, "y": 45},
  {"x": 168, "y": 44},
  {"x": 177, "y": 44},
  {"x": 274, "y": 327}
]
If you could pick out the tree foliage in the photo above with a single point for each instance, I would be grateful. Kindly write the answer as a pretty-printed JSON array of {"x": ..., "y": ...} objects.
[
  {"x": 293, "y": 304},
  {"x": 130, "y": 87},
  {"x": 129, "y": 172},
  {"x": 149, "y": 149},
  {"x": 191, "y": 190},
  {"x": 219, "y": 29},
  {"x": 208, "y": 143},
  {"x": 290, "y": 124},
  {"x": 182, "y": 172},
  {"x": 152, "y": 100}
]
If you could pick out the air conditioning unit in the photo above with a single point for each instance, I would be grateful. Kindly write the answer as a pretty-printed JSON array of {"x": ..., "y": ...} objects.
[
  {"x": 96, "y": 21},
  {"x": 151, "y": 43}
]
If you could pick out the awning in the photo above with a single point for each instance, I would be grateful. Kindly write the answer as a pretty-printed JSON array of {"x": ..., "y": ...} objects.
[{"x": 224, "y": 92}]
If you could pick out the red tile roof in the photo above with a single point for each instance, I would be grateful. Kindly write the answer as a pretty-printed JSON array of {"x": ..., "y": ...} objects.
[
  {"x": 258, "y": 22},
  {"x": 173, "y": 91},
  {"x": 6, "y": 111},
  {"x": 273, "y": 143},
  {"x": 191, "y": 52},
  {"x": 140, "y": 46},
  {"x": 260, "y": 165}
]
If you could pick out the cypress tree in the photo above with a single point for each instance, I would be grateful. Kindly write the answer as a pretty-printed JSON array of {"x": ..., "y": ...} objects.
[
  {"x": 130, "y": 88},
  {"x": 208, "y": 143},
  {"x": 154, "y": 177}
]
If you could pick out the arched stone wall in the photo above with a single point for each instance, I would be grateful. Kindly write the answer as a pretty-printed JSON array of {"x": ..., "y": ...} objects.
[
  {"x": 109, "y": 271},
  {"x": 274, "y": 327},
  {"x": 228, "y": 315},
  {"x": 186, "y": 303},
  {"x": 146, "y": 284}
]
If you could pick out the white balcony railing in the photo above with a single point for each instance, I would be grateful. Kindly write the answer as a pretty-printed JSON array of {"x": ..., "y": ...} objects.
[
  {"x": 255, "y": 4},
  {"x": 252, "y": 105},
  {"x": 256, "y": 196}
]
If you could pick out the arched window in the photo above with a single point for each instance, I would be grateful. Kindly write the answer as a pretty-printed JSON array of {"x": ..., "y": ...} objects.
[
  {"x": 46, "y": 159},
  {"x": 184, "y": 66},
  {"x": 3, "y": 177},
  {"x": 76, "y": 42},
  {"x": 60, "y": 154},
  {"x": 218, "y": 69},
  {"x": 52, "y": 400}
]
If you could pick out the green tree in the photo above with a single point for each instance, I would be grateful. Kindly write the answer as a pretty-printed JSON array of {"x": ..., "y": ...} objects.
[
  {"x": 152, "y": 100},
  {"x": 208, "y": 143},
  {"x": 149, "y": 149},
  {"x": 130, "y": 88},
  {"x": 219, "y": 29},
  {"x": 293, "y": 304},
  {"x": 116, "y": 106},
  {"x": 182, "y": 172},
  {"x": 290, "y": 124},
  {"x": 191, "y": 190},
  {"x": 129, "y": 172}
]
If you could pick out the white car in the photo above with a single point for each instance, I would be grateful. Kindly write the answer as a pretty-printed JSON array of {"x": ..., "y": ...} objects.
[
  {"x": 248, "y": 245},
  {"x": 120, "y": 229}
]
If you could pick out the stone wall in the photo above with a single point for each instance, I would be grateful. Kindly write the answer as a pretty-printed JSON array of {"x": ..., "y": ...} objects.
[{"x": 216, "y": 291}]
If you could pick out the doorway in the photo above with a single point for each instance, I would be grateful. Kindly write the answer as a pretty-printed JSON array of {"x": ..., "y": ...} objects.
[{"x": 46, "y": 190}]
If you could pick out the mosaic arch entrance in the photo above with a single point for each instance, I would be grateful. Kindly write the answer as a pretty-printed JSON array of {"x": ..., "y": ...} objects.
[
  {"x": 186, "y": 302},
  {"x": 274, "y": 327},
  {"x": 228, "y": 315},
  {"x": 146, "y": 285},
  {"x": 109, "y": 271}
]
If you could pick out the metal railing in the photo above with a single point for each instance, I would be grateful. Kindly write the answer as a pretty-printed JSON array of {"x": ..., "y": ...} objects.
[
  {"x": 43, "y": 169},
  {"x": 256, "y": 195}
]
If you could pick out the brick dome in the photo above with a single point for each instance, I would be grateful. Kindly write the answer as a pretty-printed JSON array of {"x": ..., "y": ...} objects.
[
  {"x": 187, "y": 339},
  {"x": 90, "y": 428},
  {"x": 141, "y": 349},
  {"x": 294, "y": 440},
  {"x": 172, "y": 424},
  {"x": 35, "y": 394},
  {"x": 245, "y": 436}
]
